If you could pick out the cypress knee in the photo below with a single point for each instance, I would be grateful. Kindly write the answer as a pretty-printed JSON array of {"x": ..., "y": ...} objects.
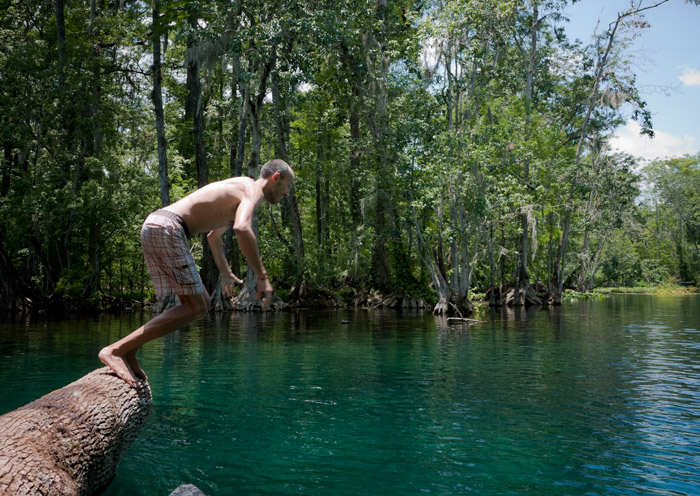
[{"x": 70, "y": 441}]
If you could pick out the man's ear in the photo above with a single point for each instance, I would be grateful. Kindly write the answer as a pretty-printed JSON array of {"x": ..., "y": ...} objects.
[{"x": 276, "y": 177}]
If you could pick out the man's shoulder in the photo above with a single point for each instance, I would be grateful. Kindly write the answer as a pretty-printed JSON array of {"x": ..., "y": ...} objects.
[
  {"x": 242, "y": 187},
  {"x": 237, "y": 180},
  {"x": 239, "y": 186}
]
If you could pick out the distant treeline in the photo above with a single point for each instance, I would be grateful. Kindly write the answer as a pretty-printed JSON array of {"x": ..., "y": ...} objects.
[{"x": 442, "y": 148}]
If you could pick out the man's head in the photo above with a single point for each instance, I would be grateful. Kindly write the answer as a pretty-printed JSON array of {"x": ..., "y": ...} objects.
[{"x": 279, "y": 178}]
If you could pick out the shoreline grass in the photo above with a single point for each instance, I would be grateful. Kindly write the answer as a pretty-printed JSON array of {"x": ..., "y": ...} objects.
[{"x": 653, "y": 290}]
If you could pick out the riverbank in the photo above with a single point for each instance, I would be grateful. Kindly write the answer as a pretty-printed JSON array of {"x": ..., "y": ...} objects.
[
  {"x": 111, "y": 304},
  {"x": 662, "y": 290},
  {"x": 654, "y": 290}
]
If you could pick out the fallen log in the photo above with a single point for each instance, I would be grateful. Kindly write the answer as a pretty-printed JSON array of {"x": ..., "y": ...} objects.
[{"x": 70, "y": 441}]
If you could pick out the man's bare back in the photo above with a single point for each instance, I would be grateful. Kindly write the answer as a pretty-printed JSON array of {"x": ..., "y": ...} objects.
[{"x": 214, "y": 205}]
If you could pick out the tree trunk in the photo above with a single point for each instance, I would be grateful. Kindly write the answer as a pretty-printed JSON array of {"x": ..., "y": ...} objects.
[
  {"x": 581, "y": 283},
  {"x": 210, "y": 273},
  {"x": 290, "y": 206},
  {"x": 13, "y": 294},
  {"x": 247, "y": 298},
  {"x": 93, "y": 283},
  {"x": 71, "y": 441},
  {"x": 522, "y": 289},
  {"x": 492, "y": 267},
  {"x": 355, "y": 166},
  {"x": 157, "y": 99},
  {"x": 60, "y": 39},
  {"x": 237, "y": 170},
  {"x": 281, "y": 121},
  {"x": 356, "y": 79},
  {"x": 295, "y": 218},
  {"x": 198, "y": 131},
  {"x": 242, "y": 129},
  {"x": 6, "y": 170},
  {"x": 96, "y": 87},
  {"x": 596, "y": 259},
  {"x": 558, "y": 276},
  {"x": 320, "y": 206},
  {"x": 379, "y": 61},
  {"x": 219, "y": 301},
  {"x": 449, "y": 301},
  {"x": 381, "y": 271},
  {"x": 459, "y": 252}
]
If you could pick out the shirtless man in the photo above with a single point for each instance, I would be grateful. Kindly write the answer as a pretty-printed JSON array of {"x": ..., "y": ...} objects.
[{"x": 164, "y": 240}]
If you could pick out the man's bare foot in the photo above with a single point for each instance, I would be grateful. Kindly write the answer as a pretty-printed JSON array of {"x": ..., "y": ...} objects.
[
  {"x": 134, "y": 365},
  {"x": 118, "y": 364}
]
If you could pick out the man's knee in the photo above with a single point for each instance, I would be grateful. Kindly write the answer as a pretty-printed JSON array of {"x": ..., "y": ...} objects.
[
  {"x": 207, "y": 303},
  {"x": 198, "y": 305},
  {"x": 203, "y": 305}
]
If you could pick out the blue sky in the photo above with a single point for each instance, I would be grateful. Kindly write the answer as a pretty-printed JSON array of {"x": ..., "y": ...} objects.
[{"x": 667, "y": 64}]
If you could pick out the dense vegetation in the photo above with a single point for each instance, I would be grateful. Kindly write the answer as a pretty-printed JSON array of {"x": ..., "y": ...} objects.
[{"x": 442, "y": 148}]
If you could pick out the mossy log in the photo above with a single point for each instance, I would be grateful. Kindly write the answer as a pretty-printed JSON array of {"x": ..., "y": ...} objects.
[{"x": 70, "y": 441}]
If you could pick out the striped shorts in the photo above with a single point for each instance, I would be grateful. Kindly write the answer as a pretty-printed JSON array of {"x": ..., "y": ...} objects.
[{"x": 165, "y": 245}]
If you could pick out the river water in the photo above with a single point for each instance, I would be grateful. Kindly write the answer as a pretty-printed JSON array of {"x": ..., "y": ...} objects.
[{"x": 596, "y": 397}]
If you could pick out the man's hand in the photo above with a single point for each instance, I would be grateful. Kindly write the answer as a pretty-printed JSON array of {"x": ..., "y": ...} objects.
[
  {"x": 228, "y": 281},
  {"x": 264, "y": 287}
]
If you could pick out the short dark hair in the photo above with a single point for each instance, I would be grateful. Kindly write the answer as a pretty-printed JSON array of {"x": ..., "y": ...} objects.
[{"x": 276, "y": 165}]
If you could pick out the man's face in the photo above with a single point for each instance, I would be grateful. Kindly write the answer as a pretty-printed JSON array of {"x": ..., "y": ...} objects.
[{"x": 279, "y": 190}]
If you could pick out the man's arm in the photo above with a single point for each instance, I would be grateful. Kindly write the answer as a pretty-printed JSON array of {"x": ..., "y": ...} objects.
[
  {"x": 243, "y": 228},
  {"x": 216, "y": 243},
  {"x": 248, "y": 243}
]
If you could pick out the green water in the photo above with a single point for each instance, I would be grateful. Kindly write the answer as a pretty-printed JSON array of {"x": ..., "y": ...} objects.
[{"x": 597, "y": 397}]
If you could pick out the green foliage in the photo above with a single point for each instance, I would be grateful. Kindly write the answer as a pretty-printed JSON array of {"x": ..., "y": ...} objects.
[
  {"x": 420, "y": 128},
  {"x": 673, "y": 216},
  {"x": 587, "y": 295},
  {"x": 666, "y": 289}
]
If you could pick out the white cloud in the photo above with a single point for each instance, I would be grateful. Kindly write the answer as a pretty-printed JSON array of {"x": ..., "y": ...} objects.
[
  {"x": 690, "y": 77},
  {"x": 663, "y": 145}
]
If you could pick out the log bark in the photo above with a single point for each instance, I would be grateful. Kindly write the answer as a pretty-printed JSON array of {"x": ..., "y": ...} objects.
[{"x": 70, "y": 441}]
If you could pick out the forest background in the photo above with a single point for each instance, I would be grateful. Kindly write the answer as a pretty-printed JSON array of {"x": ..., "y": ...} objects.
[{"x": 445, "y": 150}]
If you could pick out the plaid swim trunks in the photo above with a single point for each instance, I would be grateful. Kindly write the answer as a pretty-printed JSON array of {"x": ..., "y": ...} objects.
[{"x": 164, "y": 240}]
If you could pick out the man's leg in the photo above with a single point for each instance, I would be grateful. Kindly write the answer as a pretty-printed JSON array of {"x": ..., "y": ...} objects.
[{"x": 121, "y": 356}]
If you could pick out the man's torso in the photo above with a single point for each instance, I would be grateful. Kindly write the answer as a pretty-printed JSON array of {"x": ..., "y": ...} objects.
[{"x": 214, "y": 205}]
